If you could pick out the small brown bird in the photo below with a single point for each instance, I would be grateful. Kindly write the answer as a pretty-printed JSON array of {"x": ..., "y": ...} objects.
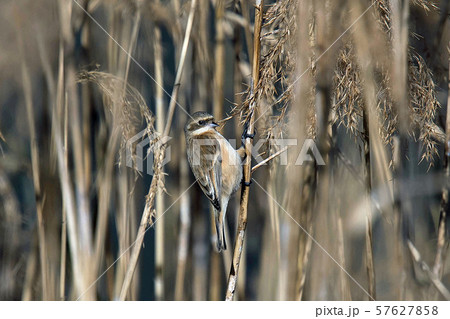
[{"x": 216, "y": 165}]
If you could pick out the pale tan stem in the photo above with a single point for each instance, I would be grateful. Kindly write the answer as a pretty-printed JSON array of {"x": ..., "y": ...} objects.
[
  {"x": 242, "y": 224},
  {"x": 423, "y": 266},
  {"x": 176, "y": 87},
  {"x": 147, "y": 213},
  {"x": 36, "y": 174},
  {"x": 62, "y": 269},
  {"x": 271, "y": 157},
  {"x": 159, "y": 227},
  {"x": 219, "y": 69}
]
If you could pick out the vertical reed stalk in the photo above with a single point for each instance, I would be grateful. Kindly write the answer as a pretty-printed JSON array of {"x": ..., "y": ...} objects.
[
  {"x": 375, "y": 156},
  {"x": 160, "y": 208},
  {"x": 159, "y": 157},
  {"x": 370, "y": 267},
  {"x": 30, "y": 273},
  {"x": 26, "y": 80},
  {"x": 400, "y": 17},
  {"x": 242, "y": 225},
  {"x": 300, "y": 180},
  {"x": 248, "y": 32},
  {"x": 345, "y": 288},
  {"x": 219, "y": 69},
  {"x": 62, "y": 269},
  {"x": 219, "y": 73},
  {"x": 303, "y": 258},
  {"x": 185, "y": 220},
  {"x": 63, "y": 168},
  {"x": 83, "y": 218},
  {"x": 183, "y": 239}
]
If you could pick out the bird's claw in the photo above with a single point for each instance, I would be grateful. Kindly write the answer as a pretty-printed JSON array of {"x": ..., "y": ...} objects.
[{"x": 246, "y": 134}]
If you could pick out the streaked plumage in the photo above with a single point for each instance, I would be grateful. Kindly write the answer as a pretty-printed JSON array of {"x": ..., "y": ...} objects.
[{"x": 215, "y": 164}]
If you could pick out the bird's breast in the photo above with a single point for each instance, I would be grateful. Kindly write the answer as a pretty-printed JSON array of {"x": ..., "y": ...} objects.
[{"x": 231, "y": 167}]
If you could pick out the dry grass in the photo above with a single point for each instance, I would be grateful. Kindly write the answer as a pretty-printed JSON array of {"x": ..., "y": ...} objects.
[{"x": 366, "y": 80}]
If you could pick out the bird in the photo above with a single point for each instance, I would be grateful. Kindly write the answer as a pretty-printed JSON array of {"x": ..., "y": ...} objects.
[{"x": 216, "y": 165}]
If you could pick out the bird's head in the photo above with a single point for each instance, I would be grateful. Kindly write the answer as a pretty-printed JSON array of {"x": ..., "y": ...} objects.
[{"x": 200, "y": 122}]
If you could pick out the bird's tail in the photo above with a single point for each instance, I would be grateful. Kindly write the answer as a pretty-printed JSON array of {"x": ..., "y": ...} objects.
[{"x": 220, "y": 230}]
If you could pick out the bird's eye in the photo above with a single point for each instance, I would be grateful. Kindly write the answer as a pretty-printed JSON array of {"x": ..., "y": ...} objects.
[{"x": 201, "y": 122}]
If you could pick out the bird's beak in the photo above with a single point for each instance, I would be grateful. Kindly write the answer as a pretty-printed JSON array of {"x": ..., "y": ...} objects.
[{"x": 213, "y": 125}]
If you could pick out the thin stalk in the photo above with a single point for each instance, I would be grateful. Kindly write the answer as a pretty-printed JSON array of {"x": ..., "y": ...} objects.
[
  {"x": 36, "y": 176},
  {"x": 176, "y": 87},
  {"x": 345, "y": 288},
  {"x": 83, "y": 219},
  {"x": 159, "y": 227},
  {"x": 248, "y": 32},
  {"x": 336, "y": 215},
  {"x": 271, "y": 157},
  {"x": 374, "y": 151},
  {"x": 275, "y": 226},
  {"x": 370, "y": 267},
  {"x": 238, "y": 79},
  {"x": 30, "y": 273},
  {"x": 299, "y": 179},
  {"x": 303, "y": 262},
  {"x": 106, "y": 177},
  {"x": 316, "y": 207},
  {"x": 200, "y": 250},
  {"x": 150, "y": 200},
  {"x": 437, "y": 283},
  {"x": 185, "y": 224},
  {"x": 62, "y": 269},
  {"x": 86, "y": 110},
  {"x": 66, "y": 91},
  {"x": 242, "y": 225},
  {"x": 219, "y": 68},
  {"x": 183, "y": 240},
  {"x": 400, "y": 31}
]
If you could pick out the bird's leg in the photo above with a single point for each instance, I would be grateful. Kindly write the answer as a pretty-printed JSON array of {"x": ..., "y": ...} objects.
[
  {"x": 246, "y": 134},
  {"x": 241, "y": 150}
]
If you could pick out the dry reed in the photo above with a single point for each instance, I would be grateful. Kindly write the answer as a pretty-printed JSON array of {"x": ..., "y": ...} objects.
[{"x": 76, "y": 223}]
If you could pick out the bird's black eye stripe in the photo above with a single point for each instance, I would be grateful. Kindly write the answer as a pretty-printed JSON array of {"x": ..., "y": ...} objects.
[{"x": 201, "y": 122}]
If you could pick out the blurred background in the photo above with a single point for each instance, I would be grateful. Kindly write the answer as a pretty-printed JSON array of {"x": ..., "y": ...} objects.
[{"x": 366, "y": 80}]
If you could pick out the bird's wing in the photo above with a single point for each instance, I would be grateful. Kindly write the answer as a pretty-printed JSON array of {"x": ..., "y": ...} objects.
[{"x": 207, "y": 167}]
